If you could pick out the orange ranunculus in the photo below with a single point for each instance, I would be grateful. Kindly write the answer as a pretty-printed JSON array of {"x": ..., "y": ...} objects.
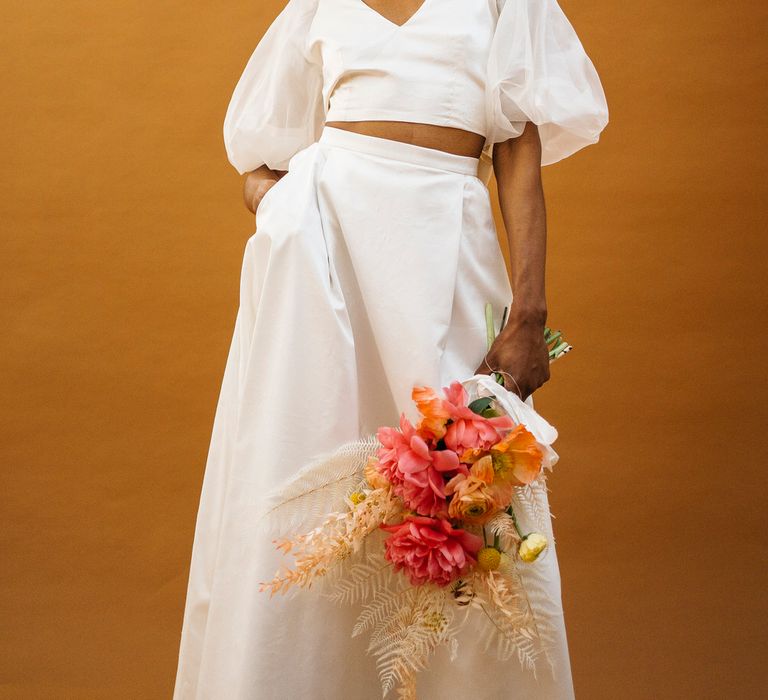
[
  {"x": 472, "y": 496},
  {"x": 483, "y": 470},
  {"x": 517, "y": 458},
  {"x": 433, "y": 408}
]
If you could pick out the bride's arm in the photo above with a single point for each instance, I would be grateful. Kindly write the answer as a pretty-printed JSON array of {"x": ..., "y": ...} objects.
[
  {"x": 256, "y": 184},
  {"x": 520, "y": 348}
]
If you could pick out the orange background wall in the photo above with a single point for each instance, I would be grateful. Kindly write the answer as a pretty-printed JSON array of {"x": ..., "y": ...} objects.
[{"x": 122, "y": 235}]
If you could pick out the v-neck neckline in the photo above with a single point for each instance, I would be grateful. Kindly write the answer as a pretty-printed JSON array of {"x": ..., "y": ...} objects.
[{"x": 378, "y": 14}]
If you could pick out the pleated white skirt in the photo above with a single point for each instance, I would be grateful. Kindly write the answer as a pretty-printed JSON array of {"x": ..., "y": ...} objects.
[{"x": 368, "y": 273}]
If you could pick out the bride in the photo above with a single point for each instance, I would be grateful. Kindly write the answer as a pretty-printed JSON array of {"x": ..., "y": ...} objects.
[{"x": 367, "y": 132}]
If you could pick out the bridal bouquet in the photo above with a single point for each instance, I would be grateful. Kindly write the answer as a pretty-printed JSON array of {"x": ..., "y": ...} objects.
[{"x": 422, "y": 524}]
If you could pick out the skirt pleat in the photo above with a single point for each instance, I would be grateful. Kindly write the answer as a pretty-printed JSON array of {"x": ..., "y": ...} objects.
[{"x": 368, "y": 273}]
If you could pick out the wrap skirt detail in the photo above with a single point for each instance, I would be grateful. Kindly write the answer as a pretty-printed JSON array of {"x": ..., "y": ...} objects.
[{"x": 369, "y": 271}]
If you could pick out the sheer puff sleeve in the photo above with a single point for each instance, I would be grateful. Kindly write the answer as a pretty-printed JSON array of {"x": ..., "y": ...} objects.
[
  {"x": 276, "y": 108},
  {"x": 538, "y": 71}
]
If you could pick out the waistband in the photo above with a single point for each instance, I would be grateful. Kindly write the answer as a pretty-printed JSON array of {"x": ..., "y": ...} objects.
[{"x": 398, "y": 150}]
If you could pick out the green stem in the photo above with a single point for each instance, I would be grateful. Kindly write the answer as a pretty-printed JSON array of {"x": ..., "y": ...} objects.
[
  {"x": 490, "y": 333},
  {"x": 554, "y": 337}
]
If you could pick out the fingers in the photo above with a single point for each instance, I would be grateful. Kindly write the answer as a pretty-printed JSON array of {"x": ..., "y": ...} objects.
[
  {"x": 524, "y": 367},
  {"x": 255, "y": 187},
  {"x": 261, "y": 189}
]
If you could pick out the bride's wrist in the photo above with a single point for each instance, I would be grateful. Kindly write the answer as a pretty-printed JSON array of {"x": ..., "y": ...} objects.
[{"x": 527, "y": 316}]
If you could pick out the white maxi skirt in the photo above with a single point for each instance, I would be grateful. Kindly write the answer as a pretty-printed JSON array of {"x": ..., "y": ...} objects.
[{"x": 368, "y": 273}]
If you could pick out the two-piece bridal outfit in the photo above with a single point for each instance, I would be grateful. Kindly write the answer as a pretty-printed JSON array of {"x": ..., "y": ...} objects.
[{"x": 368, "y": 273}]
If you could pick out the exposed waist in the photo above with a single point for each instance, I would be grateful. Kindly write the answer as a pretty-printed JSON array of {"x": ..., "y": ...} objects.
[
  {"x": 450, "y": 139},
  {"x": 398, "y": 150}
]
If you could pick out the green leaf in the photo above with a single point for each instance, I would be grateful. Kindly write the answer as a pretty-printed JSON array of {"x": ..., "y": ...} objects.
[{"x": 480, "y": 405}]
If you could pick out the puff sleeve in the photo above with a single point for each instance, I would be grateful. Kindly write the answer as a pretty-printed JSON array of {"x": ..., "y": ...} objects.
[
  {"x": 538, "y": 71},
  {"x": 277, "y": 107}
]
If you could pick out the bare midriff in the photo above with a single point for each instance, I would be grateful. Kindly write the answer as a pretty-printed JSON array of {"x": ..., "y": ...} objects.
[{"x": 442, "y": 138}]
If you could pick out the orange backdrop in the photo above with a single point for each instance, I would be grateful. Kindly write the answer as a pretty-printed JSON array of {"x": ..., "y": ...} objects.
[{"x": 123, "y": 231}]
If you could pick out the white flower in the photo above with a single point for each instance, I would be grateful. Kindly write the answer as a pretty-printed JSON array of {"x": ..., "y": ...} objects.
[{"x": 531, "y": 546}]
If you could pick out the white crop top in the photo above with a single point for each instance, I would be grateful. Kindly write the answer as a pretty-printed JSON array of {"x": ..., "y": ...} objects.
[{"x": 487, "y": 66}]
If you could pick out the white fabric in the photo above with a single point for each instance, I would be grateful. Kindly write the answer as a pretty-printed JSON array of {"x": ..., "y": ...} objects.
[
  {"x": 368, "y": 273},
  {"x": 486, "y": 66},
  {"x": 538, "y": 72},
  {"x": 430, "y": 70},
  {"x": 276, "y": 107}
]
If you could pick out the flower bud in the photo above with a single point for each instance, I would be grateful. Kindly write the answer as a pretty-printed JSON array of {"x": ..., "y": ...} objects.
[{"x": 531, "y": 546}]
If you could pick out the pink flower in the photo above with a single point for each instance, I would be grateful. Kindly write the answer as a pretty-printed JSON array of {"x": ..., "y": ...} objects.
[
  {"x": 469, "y": 430},
  {"x": 414, "y": 469},
  {"x": 430, "y": 549},
  {"x": 394, "y": 444},
  {"x": 455, "y": 394},
  {"x": 426, "y": 499}
]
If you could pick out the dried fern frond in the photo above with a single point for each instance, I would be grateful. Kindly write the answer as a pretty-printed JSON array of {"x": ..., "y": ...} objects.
[
  {"x": 512, "y": 627},
  {"x": 335, "y": 539},
  {"x": 407, "y": 690},
  {"x": 503, "y": 525},
  {"x": 384, "y": 606},
  {"x": 403, "y": 642},
  {"x": 532, "y": 507},
  {"x": 318, "y": 488},
  {"x": 362, "y": 580},
  {"x": 545, "y": 633}
]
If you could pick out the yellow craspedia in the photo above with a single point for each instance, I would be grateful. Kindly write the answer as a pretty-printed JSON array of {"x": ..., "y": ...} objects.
[
  {"x": 531, "y": 546},
  {"x": 357, "y": 497},
  {"x": 489, "y": 558}
]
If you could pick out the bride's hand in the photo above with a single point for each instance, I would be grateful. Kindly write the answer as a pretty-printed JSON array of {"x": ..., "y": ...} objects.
[
  {"x": 520, "y": 351},
  {"x": 256, "y": 185}
]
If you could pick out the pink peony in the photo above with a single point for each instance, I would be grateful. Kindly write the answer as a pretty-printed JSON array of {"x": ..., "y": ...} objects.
[
  {"x": 455, "y": 395},
  {"x": 428, "y": 499},
  {"x": 430, "y": 549},
  {"x": 395, "y": 443},
  {"x": 469, "y": 430},
  {"x": 415, "y": 470}
]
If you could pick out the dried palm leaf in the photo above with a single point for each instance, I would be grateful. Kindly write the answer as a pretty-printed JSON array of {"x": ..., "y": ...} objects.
[{"x": 318, "y": 488}]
